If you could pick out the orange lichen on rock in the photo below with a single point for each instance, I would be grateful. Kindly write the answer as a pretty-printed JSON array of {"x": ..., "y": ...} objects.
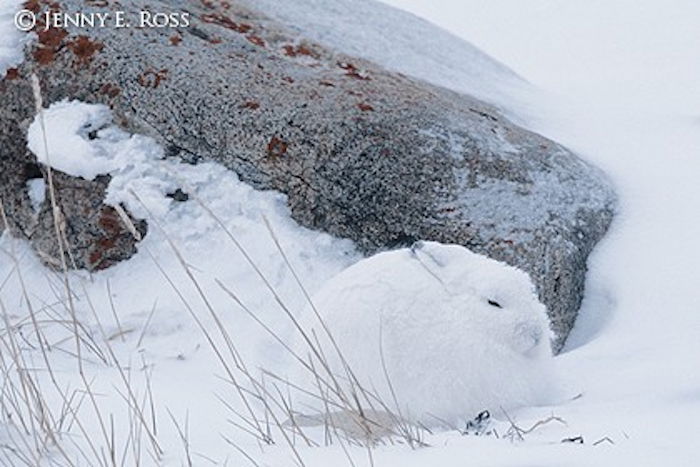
[
  {"x": 109, "y": 220},
  {"x": 84, "y": 49},
  {"x": 50, "y": 41},
  {"x": 354, "y": 72},
  {"x": 211, "y": 4},
  {"x": 32, "y": 5},
  {"x": 226, "y": 22},
  {"x": 252, "y": 105},
  {"x": 257, "y": 40},
  {"x": 110, "y": 90},
  {"x": 276, "y": 148},
  {"x": 12, "y": 73},
  {"x": 292, "y": 51},
  {"x": 152, "y": 78}
]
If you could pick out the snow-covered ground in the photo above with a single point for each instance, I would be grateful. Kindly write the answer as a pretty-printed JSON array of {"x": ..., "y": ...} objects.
[
  {"x": 617, "y": 84},
  {"x": 620, "y": 86}
]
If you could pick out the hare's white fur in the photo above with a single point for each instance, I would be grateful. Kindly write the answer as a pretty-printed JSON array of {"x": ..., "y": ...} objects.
[{"x": 458, "y": 333}]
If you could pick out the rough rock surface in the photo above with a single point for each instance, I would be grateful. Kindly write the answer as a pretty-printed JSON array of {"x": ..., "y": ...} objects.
[{"x": 362, "y": 153}]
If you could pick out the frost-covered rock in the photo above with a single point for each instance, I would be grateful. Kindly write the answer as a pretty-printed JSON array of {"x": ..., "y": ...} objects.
[
  {"x": 454, "y": 332},
  {"x": 399, "y": 41},
  {"x": 361, "y": 152},
  {"x": 81, "y": 144}
]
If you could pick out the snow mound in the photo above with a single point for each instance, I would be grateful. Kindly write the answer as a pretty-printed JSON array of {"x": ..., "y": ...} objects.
[
  {"x": 457, "y": 332},
  {"x": 71, "y": 134},
  {"x": 11, "y": 39},
  {"x": 399, "y": 41},
  {"x": 83, "y": 142}
]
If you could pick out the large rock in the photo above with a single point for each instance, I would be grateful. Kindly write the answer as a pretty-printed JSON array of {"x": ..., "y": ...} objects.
[{"x": 362, "y": 153}]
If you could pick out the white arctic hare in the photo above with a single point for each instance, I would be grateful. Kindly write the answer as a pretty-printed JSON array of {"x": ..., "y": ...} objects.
[{"x": 457, "y": 332}]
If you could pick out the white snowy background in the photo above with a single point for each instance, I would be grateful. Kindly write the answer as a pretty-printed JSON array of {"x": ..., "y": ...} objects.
[
  {"x": 615, "y": 81},
  {"x": 620, "y": 85}
]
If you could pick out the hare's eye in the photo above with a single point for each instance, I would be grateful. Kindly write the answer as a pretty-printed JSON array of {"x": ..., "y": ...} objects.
[{"x": 495, "y": 303}]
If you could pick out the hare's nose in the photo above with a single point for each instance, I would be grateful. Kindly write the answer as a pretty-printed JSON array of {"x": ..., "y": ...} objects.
[{"x": 528, "y": 337}]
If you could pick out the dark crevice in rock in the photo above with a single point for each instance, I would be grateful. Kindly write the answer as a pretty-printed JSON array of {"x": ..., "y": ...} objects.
[{"x": 179, "y": 196}]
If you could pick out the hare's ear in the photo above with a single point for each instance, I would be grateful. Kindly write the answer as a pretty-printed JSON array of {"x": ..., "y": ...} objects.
[
  {"x": 420, "y": 248},
  {"x": 416, "y": 247}
]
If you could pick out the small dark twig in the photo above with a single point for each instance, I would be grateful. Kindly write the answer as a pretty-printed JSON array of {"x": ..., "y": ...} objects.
[
  {"x": 604, "y": 440},
  {"x": 574, "y": 440}
]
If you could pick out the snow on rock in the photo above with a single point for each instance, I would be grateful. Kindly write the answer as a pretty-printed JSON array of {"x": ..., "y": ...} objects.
[
  {"x": 71, "y": 136},
  {"x": 399, "y": 41},
  {"x": 458, "y": 332},
  {"x": 36, "y": 189},
  {"x": 11, "y": 39},
  {"x": 83, "y": 142}
]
